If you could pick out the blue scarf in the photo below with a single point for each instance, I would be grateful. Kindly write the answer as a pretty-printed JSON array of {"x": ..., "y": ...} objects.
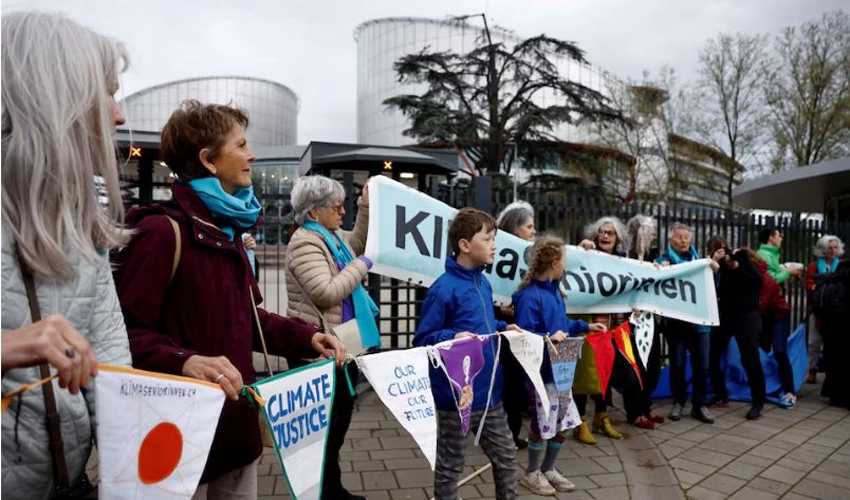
[
  {"x": 365, "y": 309},
  {"x": 677, "y": 258},
  {"x": 239, "y": 210},
  {"x": 822, "y": 265}
]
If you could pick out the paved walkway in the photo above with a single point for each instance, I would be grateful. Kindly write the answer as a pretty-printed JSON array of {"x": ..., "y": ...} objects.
[{"x": 796, "y": 454}]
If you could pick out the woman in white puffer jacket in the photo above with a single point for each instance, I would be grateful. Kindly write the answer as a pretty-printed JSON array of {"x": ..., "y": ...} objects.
[{"x": 58, "y": 114}]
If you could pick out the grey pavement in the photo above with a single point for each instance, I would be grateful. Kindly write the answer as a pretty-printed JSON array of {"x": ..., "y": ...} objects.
[{"x": 796, "y": 454}]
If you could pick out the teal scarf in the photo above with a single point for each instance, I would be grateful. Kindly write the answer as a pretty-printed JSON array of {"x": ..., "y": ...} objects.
[
  {"x": 822, "y": 269},
  {"x": 677, "y": 258},
  {"x": 230, "y": 212},
  {"x": 365, "y": 309}
]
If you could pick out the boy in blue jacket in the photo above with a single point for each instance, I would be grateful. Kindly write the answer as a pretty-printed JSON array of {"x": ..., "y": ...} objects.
[{"x": 460, "y": 304}]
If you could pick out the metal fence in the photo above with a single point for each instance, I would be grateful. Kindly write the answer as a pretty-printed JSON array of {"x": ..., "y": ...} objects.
[{"x": 565, "y": 213}]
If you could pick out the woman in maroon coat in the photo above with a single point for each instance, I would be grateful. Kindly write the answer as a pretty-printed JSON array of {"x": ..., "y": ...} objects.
[{"x": 197, "y": 320}]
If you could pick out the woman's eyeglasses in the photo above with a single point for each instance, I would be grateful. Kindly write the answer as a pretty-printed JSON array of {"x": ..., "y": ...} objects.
[{"x": 609, "y": 233}]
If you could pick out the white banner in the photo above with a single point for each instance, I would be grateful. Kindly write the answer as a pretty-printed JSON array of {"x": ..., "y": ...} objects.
[
  {"x": 527, "y": 348},
  {"x": 408, "y": 240},
  {"x": 401, "y": 380},
  {"x": 643, "y": 332},
  {"x": 154, "y": 432},
  {"x": 297, "y": 408}
]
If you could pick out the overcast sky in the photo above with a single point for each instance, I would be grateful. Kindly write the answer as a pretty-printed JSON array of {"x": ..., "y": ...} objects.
[{"x": 309, "y": 46}]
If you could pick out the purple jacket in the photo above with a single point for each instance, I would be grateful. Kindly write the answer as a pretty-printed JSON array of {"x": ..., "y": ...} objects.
[{"x": 205, "y": 309}]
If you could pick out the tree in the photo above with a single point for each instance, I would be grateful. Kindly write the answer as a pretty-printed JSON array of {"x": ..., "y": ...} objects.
[
  {"x": 489, "y": 99},
  {"x": 730, "y": 110},
  {"x": 809, "y": 92},
  {"x": 653, "y": 110}
]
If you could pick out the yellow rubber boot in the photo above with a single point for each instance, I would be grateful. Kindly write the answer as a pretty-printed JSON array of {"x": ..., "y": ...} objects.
[
  {"x": 602, "y": 424},
  {"x": 582, "y": 433}
]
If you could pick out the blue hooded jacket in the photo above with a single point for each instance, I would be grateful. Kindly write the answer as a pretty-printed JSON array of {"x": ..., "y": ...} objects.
[
  {"x": 540, "y": 308},
  {"x": 460, "y": 300}
]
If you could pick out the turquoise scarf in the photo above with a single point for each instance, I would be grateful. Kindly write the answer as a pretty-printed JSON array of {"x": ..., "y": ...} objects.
[
  {"x": 230, "y": 212},
  {"x": 365, "y": 309},
  {"x": 822, "y": 269},
  {"x": 677, "y": 258}
]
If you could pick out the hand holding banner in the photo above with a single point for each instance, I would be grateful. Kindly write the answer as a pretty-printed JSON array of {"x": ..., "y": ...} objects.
[
  {"x": 401, "y": 380},
  {"x": 297, "y": 408}
]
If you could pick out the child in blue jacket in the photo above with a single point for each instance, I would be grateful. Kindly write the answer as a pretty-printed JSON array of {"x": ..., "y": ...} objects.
[
  {"x": 540, "y": 308},
  {"x": 460, "y": 304}
]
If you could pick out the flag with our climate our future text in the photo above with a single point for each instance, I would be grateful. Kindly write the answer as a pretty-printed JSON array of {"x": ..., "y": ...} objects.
[{"x": 154, "y": 432}]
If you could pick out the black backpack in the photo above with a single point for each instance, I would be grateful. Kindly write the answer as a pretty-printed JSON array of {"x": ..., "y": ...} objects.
[{"x": 830, "y": 297}]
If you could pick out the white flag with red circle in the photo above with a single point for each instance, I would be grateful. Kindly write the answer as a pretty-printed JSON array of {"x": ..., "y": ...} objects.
[{"x": 154, "y": 432}]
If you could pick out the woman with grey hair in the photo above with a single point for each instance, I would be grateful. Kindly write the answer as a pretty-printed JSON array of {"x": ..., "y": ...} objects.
[
  {"x": 685, "y": 337},
  {"x": 58, "y": 116},
  {"x": 518, "y": 219},
  {"x": 607, "y": 235},
  {"x": 828, "y": 252},
  {"x": 325, "y": 268}
]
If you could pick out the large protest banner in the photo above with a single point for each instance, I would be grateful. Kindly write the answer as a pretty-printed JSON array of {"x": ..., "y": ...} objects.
[
  {"x": 408, "y": 240},
  {"x": 297, "y": 408},
  {"x": 401, "y": 380},
  {"x": 154, "y": 432}
]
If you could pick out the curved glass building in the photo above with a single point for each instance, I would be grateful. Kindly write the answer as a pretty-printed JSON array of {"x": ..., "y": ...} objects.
[
  {"x": 272, "y": 107},
  {"x": 382, "y": 42}
]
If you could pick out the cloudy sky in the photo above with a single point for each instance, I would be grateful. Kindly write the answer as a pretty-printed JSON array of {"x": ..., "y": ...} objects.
[{"x": 309, "y": 45}]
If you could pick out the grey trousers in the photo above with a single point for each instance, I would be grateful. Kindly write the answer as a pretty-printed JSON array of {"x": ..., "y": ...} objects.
[
  {"x": 496, "y": 441},
  {"x": 236, "y": 484}
]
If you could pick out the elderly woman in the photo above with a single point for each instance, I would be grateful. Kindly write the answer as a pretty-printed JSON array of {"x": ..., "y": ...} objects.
[
  {"x": 642, "y": 232},
  {"x": 828, "y": 251},
  {"x": 685, "y": 337},
  {"x": 325, "y": 269},
  {"x": 518, "y": 219},
  {"x": 188, "y": 292},
  {"x": 55, "y": 237},
  {"x": 607, "y": 235}
]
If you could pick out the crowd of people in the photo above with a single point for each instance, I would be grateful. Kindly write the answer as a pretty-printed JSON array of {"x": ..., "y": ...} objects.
[{"x": 179, "y": 295}]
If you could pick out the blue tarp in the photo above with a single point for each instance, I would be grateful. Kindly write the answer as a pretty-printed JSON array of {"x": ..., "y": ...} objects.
[{"x": 736, "y": 378}]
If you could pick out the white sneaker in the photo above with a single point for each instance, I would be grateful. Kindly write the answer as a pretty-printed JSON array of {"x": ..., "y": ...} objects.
[
  {"x": 538, "y": 483},
  {"x": 558, "y": 481},
  {"x": 788, "y": 400}
]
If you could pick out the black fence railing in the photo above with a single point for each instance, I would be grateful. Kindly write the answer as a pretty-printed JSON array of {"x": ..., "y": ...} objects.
[{"x": 564, "y": 213}]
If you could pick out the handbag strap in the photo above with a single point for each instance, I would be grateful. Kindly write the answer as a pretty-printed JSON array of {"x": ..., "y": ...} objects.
[
  {"x": 54, "y": 431},
  {"x": 260, "y": 332}
]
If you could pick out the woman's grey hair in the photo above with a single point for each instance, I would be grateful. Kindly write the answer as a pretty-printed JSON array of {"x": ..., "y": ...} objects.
[
  {"x": 678, "y": 226},
  {"x": 641, "y": 231},
  {"x": 314, "y": 191},
  {"x": 591, "y": 232},
  {"x": 58, "y": 78},
  {"x": 514, "y": 215},
  {"x": 823, "y": 244}
]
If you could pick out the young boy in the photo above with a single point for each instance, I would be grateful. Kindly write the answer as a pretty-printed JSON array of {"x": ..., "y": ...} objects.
[{"x": 460, "y": 304}]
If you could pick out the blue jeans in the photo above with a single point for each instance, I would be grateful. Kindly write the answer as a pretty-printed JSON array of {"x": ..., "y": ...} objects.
[
  {"x": 683, "y": 338},
  {"x": 779, "y": 331}
]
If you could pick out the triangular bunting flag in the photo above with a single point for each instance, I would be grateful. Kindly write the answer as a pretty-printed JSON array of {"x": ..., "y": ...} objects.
[
  {"x": 564, "y": 361},
  {"x": 463, "y": 359},
  {"x": 527, "y": 348},
  {"x": 401, "y": 380},
  {"x": 297, "y": 408},
  {"x": 644, "y": 330},
  {"x": 603, "y": 352},
  {"x": 154, "y": 432},
  {"x": 622, "y": 338}
]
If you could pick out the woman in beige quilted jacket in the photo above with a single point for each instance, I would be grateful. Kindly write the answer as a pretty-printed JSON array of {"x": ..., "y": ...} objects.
[{"x": 325, "y": 270}]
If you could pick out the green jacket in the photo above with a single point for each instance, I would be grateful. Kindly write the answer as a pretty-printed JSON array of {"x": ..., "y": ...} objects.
[{"x": 770, "y": 254}]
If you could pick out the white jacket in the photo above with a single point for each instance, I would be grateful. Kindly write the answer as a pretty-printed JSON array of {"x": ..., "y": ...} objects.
[{"x": 91, "y": 305}]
